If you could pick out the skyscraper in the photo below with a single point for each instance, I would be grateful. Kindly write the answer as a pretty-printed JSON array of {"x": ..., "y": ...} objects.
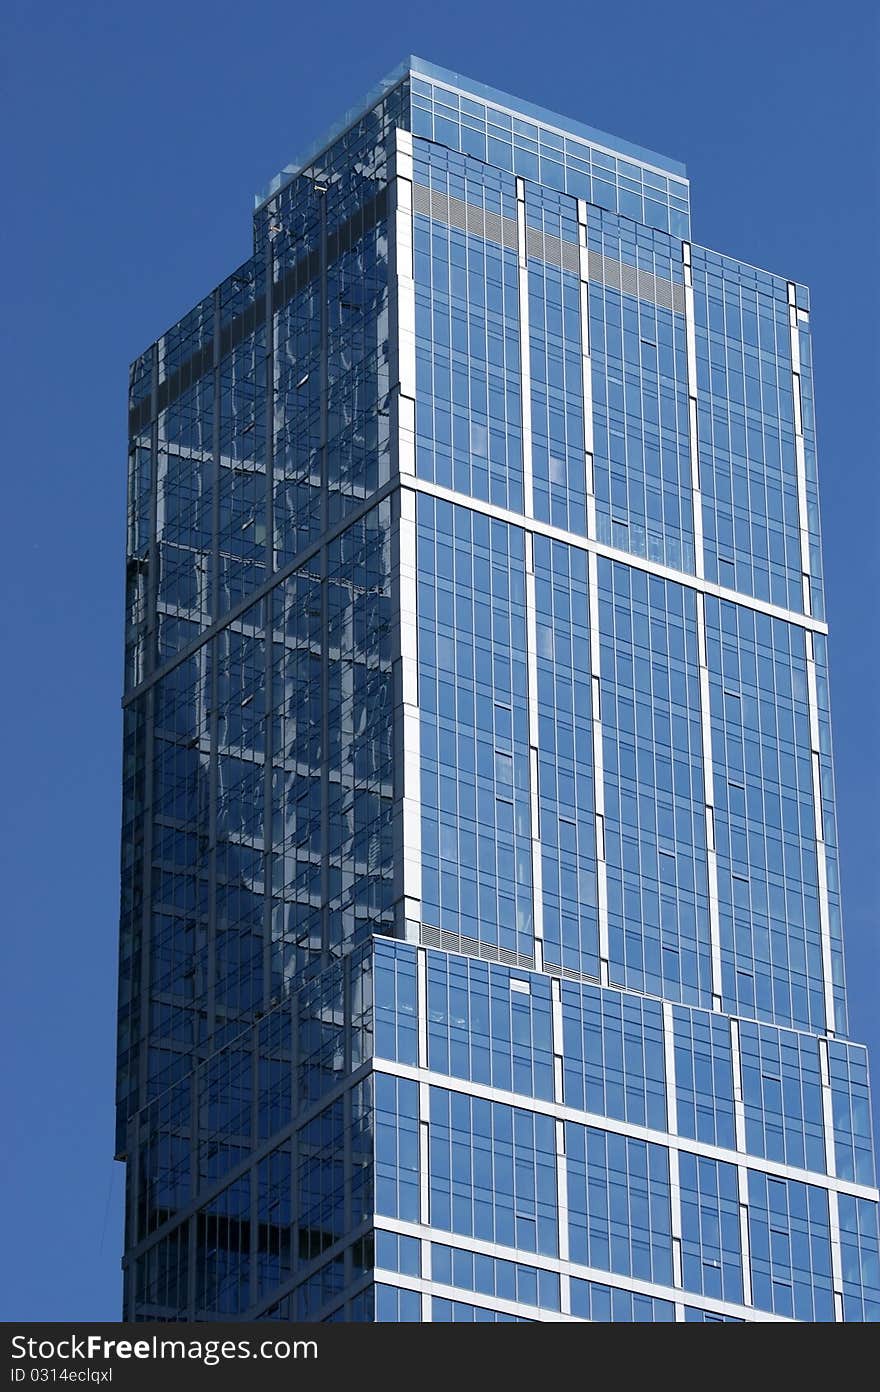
[{"x": 481, "y": 951}]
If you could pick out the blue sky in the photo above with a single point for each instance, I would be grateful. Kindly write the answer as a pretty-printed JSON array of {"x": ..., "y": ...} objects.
[{"x": 136, "y": 137}]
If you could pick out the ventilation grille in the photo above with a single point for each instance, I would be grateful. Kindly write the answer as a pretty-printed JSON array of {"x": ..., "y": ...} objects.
[
  {"x": 542, "y": 246},
  {"x": 472, "y": 947},
  {"x": 467, "y": 217},
  {"x": 631, "y": 281}
]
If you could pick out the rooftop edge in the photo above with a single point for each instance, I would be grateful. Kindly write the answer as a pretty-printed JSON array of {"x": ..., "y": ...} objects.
[{"x": 420, "y": 67}]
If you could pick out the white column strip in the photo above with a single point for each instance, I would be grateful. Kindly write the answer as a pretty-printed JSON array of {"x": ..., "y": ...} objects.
[
  {"x": 693, "y": 430},
  {"x": 669, "y": 1068},
  {"x": 831, "y": 1166},
  {"x": 410, "y": 762},
  {"x": 827, "y": 1108},
  {"x": 675, "y": 1216},
  {"x": 524, "y": 349},
  {"x": 598, "y": 764},
  {"x": 836, "y": 1255},
  {"x": 424, "y": 1153},
  {"x": 558, "y": 1036},
  {"x": 422, "y": 1004},
  {"x": 562, "y": 1191},
  {"x": 402, "y": 306},
  {"x": 742, "y": 1176},
  {"x": 587, "y": 371},
  {"x": 402, "y": 336},
  {"x": 709, "y": 785},
  {"x": 799, "y": 448},
  {"x": 739, "y": 1110},
  {"x": 821, "y": 862},
  {"x": 534, "y": 785}
]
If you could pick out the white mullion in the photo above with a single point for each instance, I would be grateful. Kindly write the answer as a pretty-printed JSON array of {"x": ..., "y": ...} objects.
[
  {"x": 709, "y": 794},
  {"x": 524, "y": 349},
  {"x": 693, "y": 432},
  {"x": 561, "y": 1191},
  {"x": 799, "y": 446},
  {"x": 403, "y": 381},
  {"x": 534, "y": 784},
  {"x": 586, "y": 366},
  {"x": 669, "y": 1068},
  {"x": 407, "y": 618},
  {"x": 836, "y": 1254},
  {"x": 739, "y": 1111},
  {"x": 675, "y": 1216},
  {"x": 424, "y": 1153},
  {"x": 827, "y": 1108},
  {"x": 822, "y": 868},
  {"x": 831, "y": 1167},
  {"x": 403, "y": 301},
  {"x": 558, "y": 1039},
  {"x": 422, "y": 1004},
  {"x": 821, "y": 862},
  {"x": 742, "y": 1177},
  {"x": 598, "y": 765}
]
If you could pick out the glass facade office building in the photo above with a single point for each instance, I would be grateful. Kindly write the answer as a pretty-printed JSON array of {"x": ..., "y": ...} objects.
[{"x": 481, "y": 951}]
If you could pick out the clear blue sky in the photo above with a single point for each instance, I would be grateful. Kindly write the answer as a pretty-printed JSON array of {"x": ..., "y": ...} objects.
[{"x": 135, "y": 138}]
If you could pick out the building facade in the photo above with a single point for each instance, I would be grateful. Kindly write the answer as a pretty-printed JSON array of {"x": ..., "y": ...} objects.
[{"x": 481, "y": 954}]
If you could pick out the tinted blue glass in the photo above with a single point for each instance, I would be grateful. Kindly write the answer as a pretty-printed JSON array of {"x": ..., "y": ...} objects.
[
  {"x": 397, "y": 1306},
  {"x": 538, "y": 151},
  {"x": 859, "y": 1253},
  {"x": 704, "y": 1077},
  {"x": 613, "y": 1055},
  {"x": 396, "y": 1007},
  {"x": 694, "y": 1316},
  {"x": 644, "y": 496},
  {"x": 590, "y": 1300},
  {"x": 397, "y": 1148},
  {"x": 790, "y": 1246},
  {"x": 394, "y": 1252},
  {"x": 493, "y": 1172},
  {"x": 469, "y": 411},
  {"x": 566, "y": 794},
  {"x": 655, "y": 839},
  {"x": 480, "y": 1026},
  {"x": 747, "y": 430},
  {"x": 462, "y": 1312},
  {"x": 507, "y": 1280},
  {"x": 782, "y": 1093},
  {"x": 710, "y": 1234},
  {"x": 851, "y": 1112},
  {"x": 825, "y": 773},
  {"x": 618, "y": 1204},
  {"x": 765, "y": 834},
  {"x": 476, "y": 835},
  {"x": 555, "y": 358}
]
